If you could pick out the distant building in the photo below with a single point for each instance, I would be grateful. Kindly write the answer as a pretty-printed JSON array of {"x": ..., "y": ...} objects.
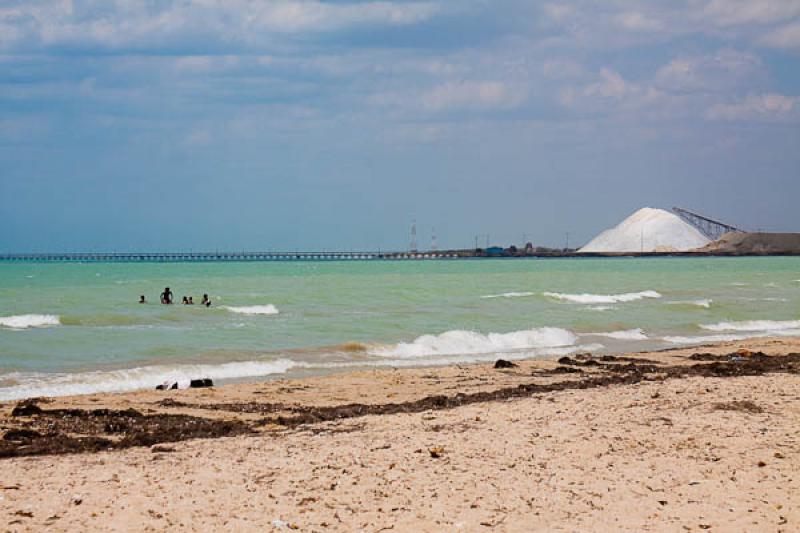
[{"x": 495, "y": 251}]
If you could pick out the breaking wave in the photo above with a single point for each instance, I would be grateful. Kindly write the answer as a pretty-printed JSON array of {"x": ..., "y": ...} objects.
[
  {"x": 603, "y": 298},
  {"x": 29, "y": 321},
  {"x": 753, "y": 325},
  {"x": 26, "y": 385},
  {"x": 459, "y": 342},
  {"x": 625, "y": 335},
  {"x": 509, "y": 295},
  {"x": 705, "y": 303},
  {"x": 268, "y": 309}
]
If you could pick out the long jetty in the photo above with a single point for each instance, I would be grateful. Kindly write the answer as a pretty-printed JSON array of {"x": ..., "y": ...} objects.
[{"x": 197, "y": 257}]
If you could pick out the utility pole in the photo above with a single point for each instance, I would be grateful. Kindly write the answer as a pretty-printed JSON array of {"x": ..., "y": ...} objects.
[{"x": 566, "y": 245}]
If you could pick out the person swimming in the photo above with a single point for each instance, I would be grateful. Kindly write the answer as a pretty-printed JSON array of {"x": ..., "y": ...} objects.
[
  {"x": 142, "y": 300},
  {"x": 206, "y": 301},
  {"x": 190, "y": 302},
  {"x": 166, "y": 296},
  {"x": 185, "y": 301}
]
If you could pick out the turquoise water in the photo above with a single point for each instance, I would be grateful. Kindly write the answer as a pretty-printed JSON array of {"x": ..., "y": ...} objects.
[{"x": 68, "y": 328}]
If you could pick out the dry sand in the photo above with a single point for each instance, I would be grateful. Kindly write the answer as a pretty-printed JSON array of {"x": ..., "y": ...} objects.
[{"x": 654, "y": 452}]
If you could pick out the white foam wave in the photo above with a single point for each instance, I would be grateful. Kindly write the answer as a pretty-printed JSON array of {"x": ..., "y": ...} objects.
[
  {"x": 600, "y": 307},
  {"x": 268, "y": 309},
  {"x": 459, "y": 342},
  {"x": 29, "y": 321},
  {"x": 587, "y": 298},
  {"x": 730, "y": 337},
  {"x": 145, "y": 377},
  {"x": 624, "y": 335},
  {"x": 753, "y": 325},
  {"x": 510, "y": 295},
  {"x": 470, "y": 358},
  {"x": 705, "y": 303}
]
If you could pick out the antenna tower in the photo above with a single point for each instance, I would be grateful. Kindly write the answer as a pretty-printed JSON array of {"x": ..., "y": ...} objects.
[
  {"x": 434, "y": 242},
  {"x": 412, "y": 246}
]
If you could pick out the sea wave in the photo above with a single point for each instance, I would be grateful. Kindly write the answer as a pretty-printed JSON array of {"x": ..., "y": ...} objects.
[
  {"x": 729, "y": 337},
  {"x": 753, "y": 325},
  {"x": 460, "y": 342},
  {"x": 624, "y": 335},
  {"x": 600, "y": 307},
  {"x": 267, "y": 309},
  {"x": 705, "y": 303},
  {"x": 29, "y": 321},
  {"x": 145, "y": 377},
  {"x": 509, "y": 295},
  {"x": 588, "y": 298}
]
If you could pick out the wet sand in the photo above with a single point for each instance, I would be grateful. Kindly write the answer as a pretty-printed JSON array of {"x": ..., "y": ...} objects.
[{"x": 692, "y": 439}]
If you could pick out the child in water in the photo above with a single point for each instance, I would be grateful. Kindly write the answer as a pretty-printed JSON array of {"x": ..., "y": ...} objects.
[{"x": 206, "y": 301}]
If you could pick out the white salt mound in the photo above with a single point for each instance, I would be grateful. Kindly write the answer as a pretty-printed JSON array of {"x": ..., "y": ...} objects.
[{"x": 648, "y": 230}]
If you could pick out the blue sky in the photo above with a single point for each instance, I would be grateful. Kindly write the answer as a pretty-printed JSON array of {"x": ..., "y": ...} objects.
[{"x": 295, "y": 124}]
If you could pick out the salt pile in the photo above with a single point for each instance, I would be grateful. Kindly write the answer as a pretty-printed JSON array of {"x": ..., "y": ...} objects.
[{"x": 648, "y": 230}]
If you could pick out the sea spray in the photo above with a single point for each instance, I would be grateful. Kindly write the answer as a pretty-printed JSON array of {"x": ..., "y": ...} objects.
[
  {"x": 29, "y": 321},
  {"x": 588, "y": 298},
  {"x": 471, "y": 342}
]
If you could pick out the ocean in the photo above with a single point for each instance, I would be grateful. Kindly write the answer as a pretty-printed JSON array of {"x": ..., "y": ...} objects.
[{"x": 77, "y": 328}]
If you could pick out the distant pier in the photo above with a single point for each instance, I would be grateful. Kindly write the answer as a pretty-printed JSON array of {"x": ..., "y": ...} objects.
[{"x": 201, "y": 257}]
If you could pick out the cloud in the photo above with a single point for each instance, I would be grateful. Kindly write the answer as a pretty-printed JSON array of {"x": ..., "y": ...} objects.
[
  {"x": 784, "y": 37},
  {"x": 473, "y": 95},
  {"x": 722, "y": 70},
  {"x": 610, "y": 85},
  {"x": 762, "y": 107},
  {"x": 637, "y": 21},
  {"x": 149, "y": 25},
  {"x": 741, "y": 12}
]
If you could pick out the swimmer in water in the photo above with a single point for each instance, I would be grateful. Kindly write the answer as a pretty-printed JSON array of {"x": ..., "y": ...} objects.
[
  {"x": 185, "y": 301},
  {"x": 142, "y": 300},
  {"x": 190, "y": 302},
  {"x": 206, "y": 301},
  {"x": 166, "y": 296}
]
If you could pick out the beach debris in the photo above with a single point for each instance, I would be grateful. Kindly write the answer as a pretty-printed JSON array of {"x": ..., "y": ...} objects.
[
  {"x": 76, "y": 499},
  {"x": 502, "y": 363},
  {"x": 762, "y": 464},
  {"x": 162, "y": 449},
  {"x": 21, "y": 435},
  {"x": 173, "y": 384},
  {"x": 779, "y": 455},
  {"x": 26, "y": 408},
  {"x": 436, "y": 451},
  {"x": 739, "y": 405},
  {"x": 744, "y": 352}
]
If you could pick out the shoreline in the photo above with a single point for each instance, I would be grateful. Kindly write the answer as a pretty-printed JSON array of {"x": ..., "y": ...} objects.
[{"x": 548, "y": 444}]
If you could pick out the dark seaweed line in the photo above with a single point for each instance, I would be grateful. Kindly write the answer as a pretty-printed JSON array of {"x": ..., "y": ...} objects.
[{"x": 47, "y": 431}]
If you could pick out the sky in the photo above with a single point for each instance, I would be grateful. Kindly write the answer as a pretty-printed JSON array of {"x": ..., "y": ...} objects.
[{"x": 318, "y": 125}]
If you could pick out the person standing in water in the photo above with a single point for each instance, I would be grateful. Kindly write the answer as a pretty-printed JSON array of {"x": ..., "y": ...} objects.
[
  {"x": 142, "y": 300},
  {"x": 206, "y": 301},
  {"x": 166, "y": 296}
]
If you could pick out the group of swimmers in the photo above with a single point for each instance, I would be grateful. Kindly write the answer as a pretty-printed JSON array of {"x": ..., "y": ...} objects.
[{"x": 166, "y": 299}]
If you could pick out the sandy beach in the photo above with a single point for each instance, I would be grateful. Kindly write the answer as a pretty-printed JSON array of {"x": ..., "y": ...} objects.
[{"x": 690, "y": 439}]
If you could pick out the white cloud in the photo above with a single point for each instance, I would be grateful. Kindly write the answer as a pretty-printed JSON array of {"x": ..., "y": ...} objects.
[
  {"x": 637, "y": 21},
  {"x": 739, "y": 12},
  {"x": 784, "y": 37},
  {"x": 610, "y": 85},
  {"x": 722, "y": 70},
  {"x": 762, "y": 107},
  {"x": 558, "y": 12},
  {"x": 294, "y": 15},
  {"x": 53, "y": 23},
  {"x": 473, "y": 95}
]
